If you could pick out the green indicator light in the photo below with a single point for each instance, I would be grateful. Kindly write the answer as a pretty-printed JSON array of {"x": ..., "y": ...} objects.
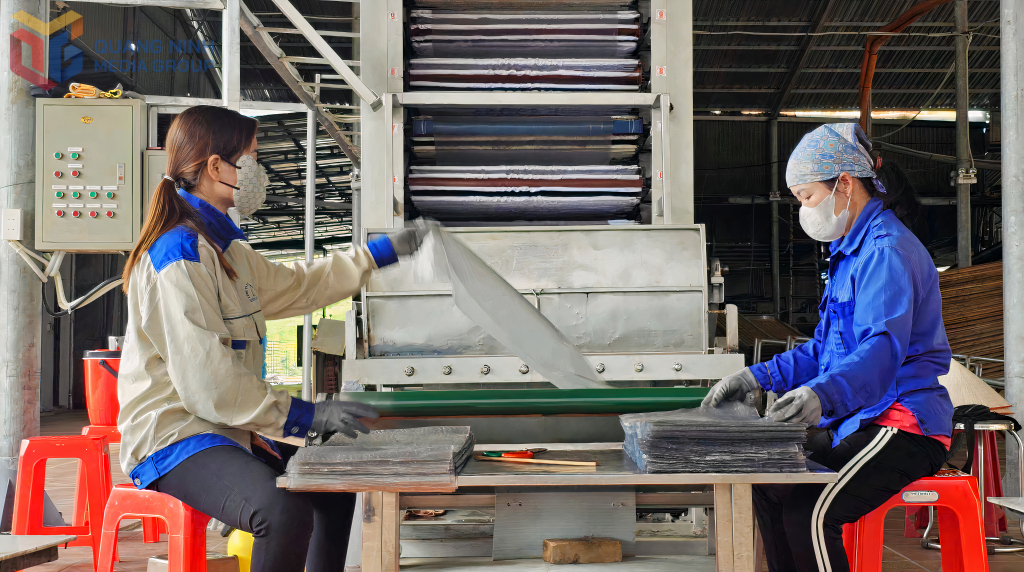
[
  {"x": 74, "y": 155},
  {"x": 57, "y": 155},
  {"x": 75, "y": 195},
  {"x": 110, "y": 195},
  {"x": 92, "y": 194},
  {"x": 59, "y": 195}
]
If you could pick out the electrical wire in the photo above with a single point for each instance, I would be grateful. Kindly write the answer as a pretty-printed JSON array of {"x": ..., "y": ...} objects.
[
  {"x": 926, "y": 105},
  {"x": 52, "y": 269},
  {"x": 100, "y": 289}
]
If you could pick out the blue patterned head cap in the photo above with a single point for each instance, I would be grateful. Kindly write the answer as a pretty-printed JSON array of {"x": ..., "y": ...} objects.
[{"x": 830, "y": 150}]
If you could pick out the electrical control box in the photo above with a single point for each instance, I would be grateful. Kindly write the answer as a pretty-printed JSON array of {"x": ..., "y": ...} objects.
[
  {"x": 88, "y": 174},
  {"x": 156, "y": 167}
]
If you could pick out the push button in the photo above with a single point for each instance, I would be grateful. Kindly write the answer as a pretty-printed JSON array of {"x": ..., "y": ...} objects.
[
  {"x": 57, "y": 174},
  {"x": 93, "y": 214},
  {"x": 58, "y": 155},
  {"x": 110, "y": 214},
  {"x": 93, "y": 194},
  {"x": 76, "y": 214},
  {"x": 59, "y": 194},
  {"x": 75, "y": 155},
  {"x": 59, "y": 213},
  {"x": 75, "y": 194},
  {"x": 110, "y": 195},
  {"x": 75, "y": 173}
]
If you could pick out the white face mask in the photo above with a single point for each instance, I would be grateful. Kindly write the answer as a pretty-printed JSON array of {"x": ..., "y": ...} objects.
[
  {"x": 252, "y": 185},
  {"x": 821, "y": 222}
]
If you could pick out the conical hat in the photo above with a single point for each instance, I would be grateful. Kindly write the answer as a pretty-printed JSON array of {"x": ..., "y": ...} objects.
[{"x": 965, "y": 388}]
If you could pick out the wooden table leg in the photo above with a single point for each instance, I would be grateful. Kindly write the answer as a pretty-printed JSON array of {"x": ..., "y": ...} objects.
[
  {"x": 373, "y": 512},
  {"x": 390, "y": 522},
  {"x": 723, "y": 528},
  {"x": 743, "y": 528},
  {"x": 734, "y": 528}
]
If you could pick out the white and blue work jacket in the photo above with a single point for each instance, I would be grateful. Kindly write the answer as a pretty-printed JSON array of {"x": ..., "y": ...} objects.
[
  {"x": 192, "y": 360},
  {"x": 880, "y": 339}
]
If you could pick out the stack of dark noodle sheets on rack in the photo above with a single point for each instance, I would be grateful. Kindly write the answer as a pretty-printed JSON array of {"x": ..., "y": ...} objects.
[
  {"x": 511, "y": 165},
  {"x": 536, "y": 166},
  {"x": 735, "y": 440},
  {"x": 591, "y": 51}
]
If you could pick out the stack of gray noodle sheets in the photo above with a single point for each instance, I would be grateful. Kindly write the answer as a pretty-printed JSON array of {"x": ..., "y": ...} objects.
[
  {"x": 713, "y": 441},
  {"x": 392, "y": 459}
]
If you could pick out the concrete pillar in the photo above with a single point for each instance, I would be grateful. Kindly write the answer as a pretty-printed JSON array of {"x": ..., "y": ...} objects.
[
  {"x": 963, "y": 143},
  {"x": 1012, "y": 77},
  {"x": 20, "y": 290}
]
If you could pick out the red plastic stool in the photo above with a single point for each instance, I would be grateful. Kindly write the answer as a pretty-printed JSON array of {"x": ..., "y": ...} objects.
[
  {"x": 186, "y": 527},
  {"x": 111, "y": 432},
  {"x": 956, "y": 498},
  {"x": 93, "y": 455}
]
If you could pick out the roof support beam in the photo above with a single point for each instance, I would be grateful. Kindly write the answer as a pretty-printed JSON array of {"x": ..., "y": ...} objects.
[{"x": 801, "y": 58}]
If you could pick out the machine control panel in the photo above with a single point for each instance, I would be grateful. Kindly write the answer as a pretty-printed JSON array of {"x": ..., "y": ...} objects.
[{"x": 89, "y": 174}]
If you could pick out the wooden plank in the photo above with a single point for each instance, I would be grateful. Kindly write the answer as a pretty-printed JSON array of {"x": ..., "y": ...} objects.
[
  {"x": 723, "y": 528},
  {"x": 742, "y": 528},
  {"x": 391, "y": 520},
  {"x": 373, "y": 510}
]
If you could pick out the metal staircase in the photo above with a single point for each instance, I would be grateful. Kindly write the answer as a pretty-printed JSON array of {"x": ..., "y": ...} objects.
[{"x": 308, "y": 92}]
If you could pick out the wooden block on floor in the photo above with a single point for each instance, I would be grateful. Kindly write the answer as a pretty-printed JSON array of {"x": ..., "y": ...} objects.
[{"x": 582, "y": 550}]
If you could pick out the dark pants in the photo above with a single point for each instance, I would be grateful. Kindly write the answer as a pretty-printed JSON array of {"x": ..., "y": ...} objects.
[
  {"x": 291, "y": 531},
  {"x": 801, "y": 525}
]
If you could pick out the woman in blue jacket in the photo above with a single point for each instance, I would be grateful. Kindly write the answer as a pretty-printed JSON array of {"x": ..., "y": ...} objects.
[{"x": 870, "y": 375}]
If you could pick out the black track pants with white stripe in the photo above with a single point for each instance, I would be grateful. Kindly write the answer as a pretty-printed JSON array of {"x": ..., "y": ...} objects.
[{"x": 801, "y": 525}]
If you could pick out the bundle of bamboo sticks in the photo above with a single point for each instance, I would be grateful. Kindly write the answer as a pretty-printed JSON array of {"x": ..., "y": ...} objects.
[{"x": 972, "y": 311}]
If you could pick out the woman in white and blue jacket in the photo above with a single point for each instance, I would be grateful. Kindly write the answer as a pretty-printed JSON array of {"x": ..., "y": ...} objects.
[{"x": 193, "y": 401}]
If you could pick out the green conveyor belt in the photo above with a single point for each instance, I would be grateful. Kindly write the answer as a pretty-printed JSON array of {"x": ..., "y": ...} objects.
[{"x": 530, "y": 401}]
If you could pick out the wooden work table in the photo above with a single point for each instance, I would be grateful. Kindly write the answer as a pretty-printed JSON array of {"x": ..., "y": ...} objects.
[
  {"x": 18, "y": 552},
  {"x": 733, "y": 503}
]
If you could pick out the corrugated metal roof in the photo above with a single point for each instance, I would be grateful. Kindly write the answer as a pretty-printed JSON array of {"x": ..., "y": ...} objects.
[{"x": 909, "y": 68}]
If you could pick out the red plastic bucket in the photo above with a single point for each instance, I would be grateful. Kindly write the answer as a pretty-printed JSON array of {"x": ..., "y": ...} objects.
[{"x": 101, "y": 367}]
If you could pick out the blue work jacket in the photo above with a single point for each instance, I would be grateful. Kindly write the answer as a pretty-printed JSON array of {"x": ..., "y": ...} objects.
[{"x": 880, "y": 339}]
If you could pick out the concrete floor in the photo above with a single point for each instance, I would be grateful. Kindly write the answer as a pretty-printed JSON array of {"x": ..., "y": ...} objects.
[{"x": 901, "y": 554}]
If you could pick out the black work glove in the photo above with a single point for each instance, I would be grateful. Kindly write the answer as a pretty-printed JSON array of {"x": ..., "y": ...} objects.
[{"x": 331, "y": 417}]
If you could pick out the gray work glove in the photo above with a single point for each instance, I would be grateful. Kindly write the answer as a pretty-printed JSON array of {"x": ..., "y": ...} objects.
[
  {"x": 408, "y": 240},
  {"x": 734, "y": 387},
  {"x": 331, "y": 417},
  {"x": 798, "y": 406}
]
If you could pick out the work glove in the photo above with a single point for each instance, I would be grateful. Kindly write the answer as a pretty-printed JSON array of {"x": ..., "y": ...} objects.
[
  {"x": 734, "y": 387},
  {"x": 798, "y": 406},
  {"x": 331, "y": 417},
  {"x": 408, "y": 240}
]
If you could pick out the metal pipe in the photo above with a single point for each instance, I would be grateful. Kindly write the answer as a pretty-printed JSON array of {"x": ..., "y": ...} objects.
[
  {"x": 1011, "y": 62},
  {"x": 231, "y": 69},
  {"x": 774, "y": 160},
  {"x": 963, "y": 141},
  {"x": 310, "y": 235}
]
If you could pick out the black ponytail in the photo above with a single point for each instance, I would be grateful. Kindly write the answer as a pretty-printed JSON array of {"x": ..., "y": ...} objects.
[{"x": 900, "y": 195}]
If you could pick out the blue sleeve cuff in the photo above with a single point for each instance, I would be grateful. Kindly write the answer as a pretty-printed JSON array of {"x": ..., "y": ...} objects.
[
  {"x": 300, "y": 418},
  {"x": 382, "y": 251},
  {"x": 827, "y": 407},
  {"x": 762, "y": 375}
]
